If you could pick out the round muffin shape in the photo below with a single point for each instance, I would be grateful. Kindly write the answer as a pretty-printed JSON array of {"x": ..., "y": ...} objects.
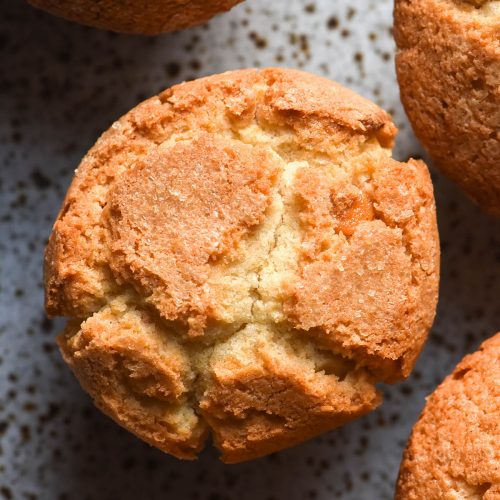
[
  {"x": 448, "y": 67},
  {"x": 147, "y": 17},
  {"x": 454, "y": 449},
  {"x": 241, "y": 255}
]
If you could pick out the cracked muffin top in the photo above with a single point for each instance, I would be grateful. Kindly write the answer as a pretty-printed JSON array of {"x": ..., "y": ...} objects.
[
  {"x": 241, "y": 256},
  {"x": 147, "y": 17},
  {"x": 453, "y": 450}
]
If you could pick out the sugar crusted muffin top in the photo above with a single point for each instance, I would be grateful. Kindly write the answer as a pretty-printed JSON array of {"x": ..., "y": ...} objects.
[{"x": 241, "y": 254}]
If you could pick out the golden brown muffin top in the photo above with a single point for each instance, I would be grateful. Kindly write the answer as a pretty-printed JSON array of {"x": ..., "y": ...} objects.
[
  {"x": 255, "y": 222},
  {"x": 454, "y": 448},
  {"x": 147, "y": 17},
  {"x": 448, "y": 67}
]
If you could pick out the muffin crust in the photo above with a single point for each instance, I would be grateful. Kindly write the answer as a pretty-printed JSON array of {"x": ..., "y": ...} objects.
[
  {"x": 147, "y": 17},
  {"x": 453, "y": 451},
  {"x": 253, "y": 226},
  {"x": 448, "y": 67}
]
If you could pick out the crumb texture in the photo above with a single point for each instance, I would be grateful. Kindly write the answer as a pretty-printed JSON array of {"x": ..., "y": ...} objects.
[
  {"x": 241, "y": 255},
  {"x": 448, "y": 67},
  {"x": 453, "y": 450},
  {"x": 148, "y": 17}
]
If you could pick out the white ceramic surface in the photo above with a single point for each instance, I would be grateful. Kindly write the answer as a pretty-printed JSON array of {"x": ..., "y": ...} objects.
[{"x": 60, "y": 86}]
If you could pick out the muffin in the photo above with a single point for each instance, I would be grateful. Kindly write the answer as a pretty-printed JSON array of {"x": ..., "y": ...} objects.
[
  {"x": 448, "y": 67},
  {"x": 137, "y": 16},
  {"x": 241, "y": 256},
  {"x": 454, "y": 449}
]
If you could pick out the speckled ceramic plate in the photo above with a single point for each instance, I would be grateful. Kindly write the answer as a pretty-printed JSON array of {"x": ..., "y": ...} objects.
[{"x": 61, "y": 85}]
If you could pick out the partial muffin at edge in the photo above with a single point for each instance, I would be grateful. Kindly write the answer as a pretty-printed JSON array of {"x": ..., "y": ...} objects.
[
  {"x": 253, "y": 227},
  {"x": 448, "y": 67},
  {"x": 454, "y": 449},
  {"x": 147, "y": 17}
]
